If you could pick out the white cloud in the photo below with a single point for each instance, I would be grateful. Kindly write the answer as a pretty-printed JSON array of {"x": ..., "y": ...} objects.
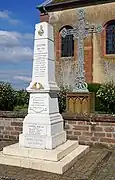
[
  {"x": 14, "y": 21},
  {"x": 15, "y": 54},
  {"x": 4, "y": 14},
  {"x": 16, "y": 50},
  {"x": 15, "y": 46},
  {"x": 13, "y": 38},
  {"x": 22, "y": 78},
  {"x": 14, "y": 74},
  {"x": 9, "y": 38},
  {"x": 19, "y": 78},
  {"x": 7, "y": 15}
]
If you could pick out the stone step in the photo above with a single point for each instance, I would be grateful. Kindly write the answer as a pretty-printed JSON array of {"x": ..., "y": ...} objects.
[
  {"x": 43, "y": 154},
  {"x": 58, "y": 167}
]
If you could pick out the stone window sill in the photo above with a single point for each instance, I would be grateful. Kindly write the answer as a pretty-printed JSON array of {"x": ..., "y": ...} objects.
[
  {"x": 67, "y": 58},
  {"x": 110, "y": 56}
]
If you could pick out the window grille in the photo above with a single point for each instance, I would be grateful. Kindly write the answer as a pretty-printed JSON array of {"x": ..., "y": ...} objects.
[
  {"x": 67, "y": 44},
  {"x": 110, "y": 38}
]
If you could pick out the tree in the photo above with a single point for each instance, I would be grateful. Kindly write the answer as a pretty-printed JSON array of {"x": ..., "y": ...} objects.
[{"x": 7, "y": 97}]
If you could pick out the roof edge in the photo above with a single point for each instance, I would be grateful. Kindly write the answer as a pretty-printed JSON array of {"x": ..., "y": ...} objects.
[
  {"x": 45, "y": 3},
  {"x": 48, "y": 7}
]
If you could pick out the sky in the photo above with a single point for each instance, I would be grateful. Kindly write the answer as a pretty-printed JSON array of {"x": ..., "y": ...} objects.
[{"x": 17, "y": 23}]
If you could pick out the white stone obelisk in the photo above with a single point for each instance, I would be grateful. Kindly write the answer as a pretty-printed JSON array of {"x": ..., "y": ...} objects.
[
  {"x": 43, "y": 145},
  {"x": 43, "y": 125}
]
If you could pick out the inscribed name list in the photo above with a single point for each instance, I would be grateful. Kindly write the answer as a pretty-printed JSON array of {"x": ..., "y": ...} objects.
[
  {"x": 40, "y": 47},
  {"x": 40, "y": 68},
  {"x": 36, "y": 129},
  {"x": 36, "y": 142},
  {"x": 40, "y": 59}
]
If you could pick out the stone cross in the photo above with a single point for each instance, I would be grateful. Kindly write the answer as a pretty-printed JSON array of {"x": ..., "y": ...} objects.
[{"x": 82, "y": 30}]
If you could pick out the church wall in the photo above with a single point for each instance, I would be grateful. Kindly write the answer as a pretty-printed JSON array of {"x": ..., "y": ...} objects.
[
  {"x": 66, "y": 66},
  {"x": 44, "y": 18},
  {"x": 98, "y": 67}
]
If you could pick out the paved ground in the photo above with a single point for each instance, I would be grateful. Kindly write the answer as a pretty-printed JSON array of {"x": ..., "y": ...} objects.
[{"x": 98, "y": 164}]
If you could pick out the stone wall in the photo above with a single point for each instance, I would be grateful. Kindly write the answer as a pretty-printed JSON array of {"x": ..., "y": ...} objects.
[
  {"x": 90, "y": 130},
  {"x": 11, "y": 125},
  {"x": 99, "y": 67}
]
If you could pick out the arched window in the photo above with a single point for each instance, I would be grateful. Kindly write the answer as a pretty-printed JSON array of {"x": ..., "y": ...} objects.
[
  {"x": 67, "y": 44},
  {"x": 110, "y": 37}
]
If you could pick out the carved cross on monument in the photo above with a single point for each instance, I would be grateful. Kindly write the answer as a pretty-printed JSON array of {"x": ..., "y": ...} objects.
[{"x": 82, "y": 30}]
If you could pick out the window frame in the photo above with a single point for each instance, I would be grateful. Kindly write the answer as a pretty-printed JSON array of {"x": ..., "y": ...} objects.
[
  {"x": 104, "y": 39},
  {"x": 73, "y": 43}
]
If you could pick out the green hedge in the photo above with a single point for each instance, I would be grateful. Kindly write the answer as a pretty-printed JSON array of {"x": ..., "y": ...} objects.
[
  {"x": 94, "y": 87},
  {"x": 11, "y": 99},
  {"x": 7, "y": 97},
  {"x": 62, "y": 98},
  {"x": 106, "y": 96}
]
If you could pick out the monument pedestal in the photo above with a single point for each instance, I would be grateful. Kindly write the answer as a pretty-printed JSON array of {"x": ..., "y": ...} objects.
[
  {"x": 43, "y": 145},
  {"x": 43, "y": 125}
]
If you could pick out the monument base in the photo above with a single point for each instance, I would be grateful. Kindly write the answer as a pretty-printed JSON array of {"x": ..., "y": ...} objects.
[
  {"x": 42, "y": 131},
  {"x": 42, "y": 142},
  {"x": 57, "y": 160}
]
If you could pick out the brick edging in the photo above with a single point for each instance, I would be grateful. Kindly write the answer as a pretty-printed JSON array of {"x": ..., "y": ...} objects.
[
  {"x": 90, "y": 117},
  {"x": 13, "y": 114}
]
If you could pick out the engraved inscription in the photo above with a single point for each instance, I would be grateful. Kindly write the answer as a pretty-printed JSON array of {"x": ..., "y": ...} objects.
[
  {"x": 40, "y": 59},
  {"x": 35, "y": 129},
  {"x": 40, "y": 47},
  {"x": 36, "y": 142},
  {"x": 40, "y": 67},
  {"x": 38, "y": 104}
]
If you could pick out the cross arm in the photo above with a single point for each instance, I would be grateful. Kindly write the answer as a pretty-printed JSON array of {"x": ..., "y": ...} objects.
[
  {"x": 64, "y": 32},
  {"x": 94, "y": 28}
]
